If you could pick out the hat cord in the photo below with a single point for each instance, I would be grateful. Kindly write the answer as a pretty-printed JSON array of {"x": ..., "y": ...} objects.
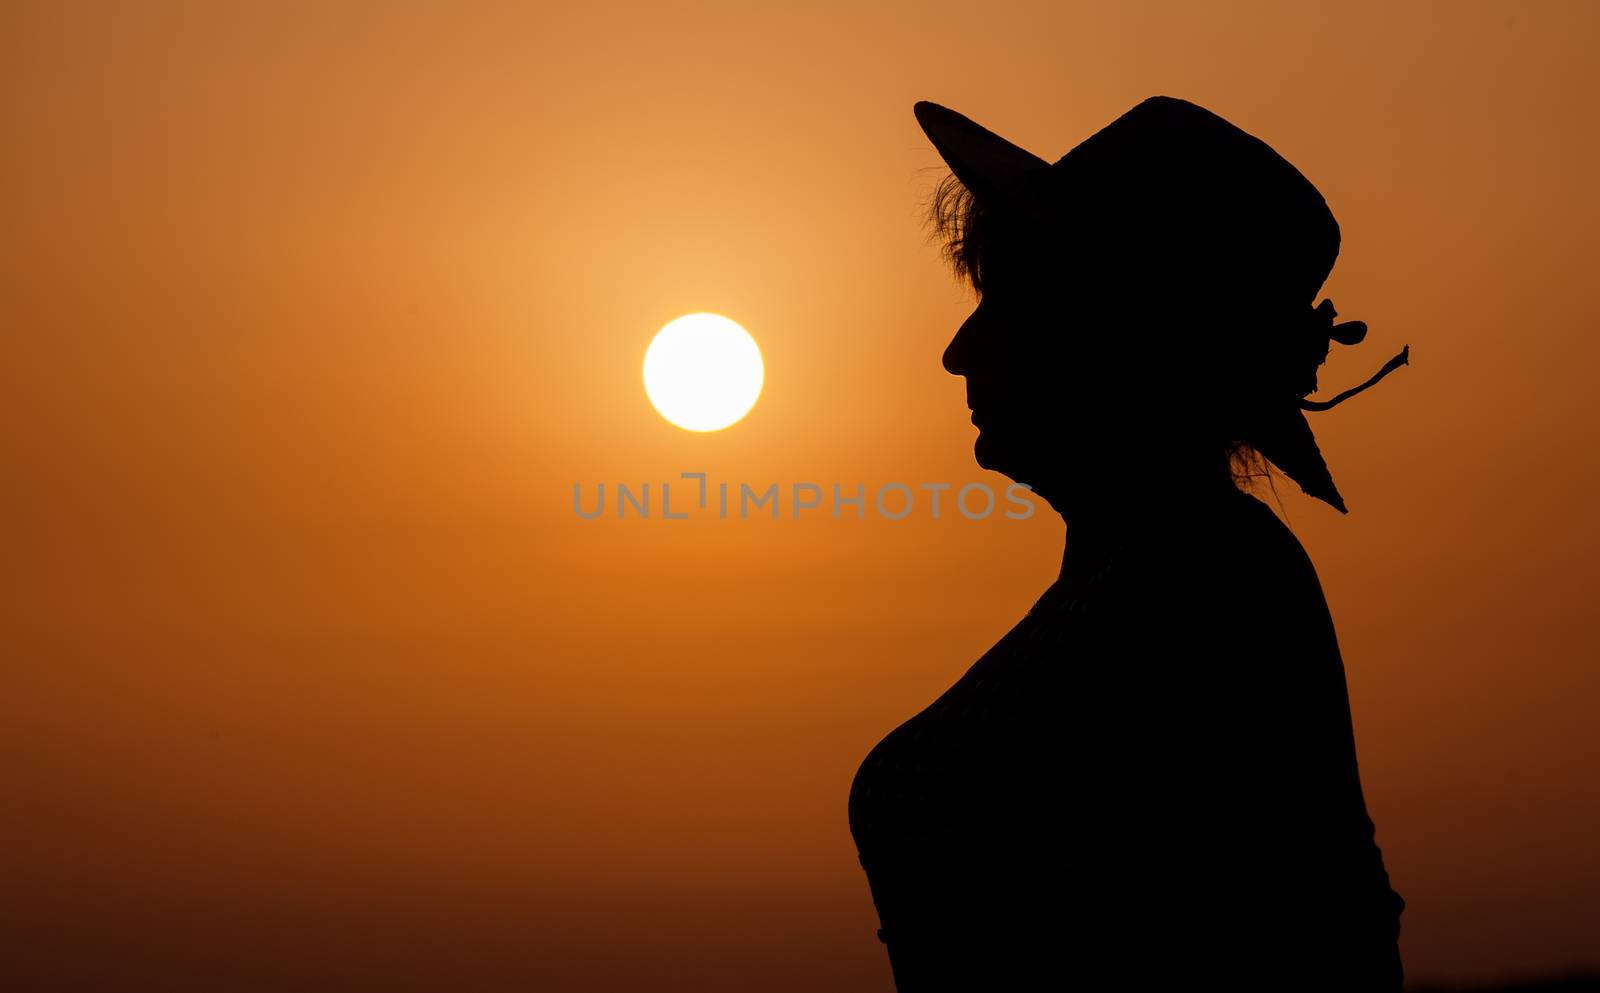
[{"x": 1322, "y": 331}]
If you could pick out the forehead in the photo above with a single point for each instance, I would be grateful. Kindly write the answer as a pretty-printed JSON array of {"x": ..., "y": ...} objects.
[{"x": 1027, "y": 258}]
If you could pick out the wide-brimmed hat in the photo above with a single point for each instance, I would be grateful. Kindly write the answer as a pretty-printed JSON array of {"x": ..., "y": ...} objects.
[{"x": 1173, "y": 182}]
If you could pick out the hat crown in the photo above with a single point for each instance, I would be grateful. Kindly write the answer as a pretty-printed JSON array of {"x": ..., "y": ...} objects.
[{"x": 1217, "y": 197}]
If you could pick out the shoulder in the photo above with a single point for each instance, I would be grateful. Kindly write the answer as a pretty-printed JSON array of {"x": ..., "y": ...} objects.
[
  {"x": 1276, "y": 550},
  {"x": 1235, "y": 573},
  {"x": 1242, "y": 545}
]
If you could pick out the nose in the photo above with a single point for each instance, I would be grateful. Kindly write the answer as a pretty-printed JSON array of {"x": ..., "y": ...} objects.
[{"x": 960, "y": 353}]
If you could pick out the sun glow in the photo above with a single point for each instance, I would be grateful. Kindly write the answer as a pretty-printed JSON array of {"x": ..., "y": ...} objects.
[{"x": 703, "y": 372}]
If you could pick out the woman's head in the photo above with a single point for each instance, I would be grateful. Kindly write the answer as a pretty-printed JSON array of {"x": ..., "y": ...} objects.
[
  {"x": 1145, "y": 304},
  {"x": 1075, "y": 354}
]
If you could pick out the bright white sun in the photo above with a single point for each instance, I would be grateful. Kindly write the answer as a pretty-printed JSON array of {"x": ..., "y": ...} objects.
[{"x": 703, "y": 372}]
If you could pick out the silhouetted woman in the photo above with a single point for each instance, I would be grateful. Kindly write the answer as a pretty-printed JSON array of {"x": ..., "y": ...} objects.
[{"x": 1151, "y": 780}]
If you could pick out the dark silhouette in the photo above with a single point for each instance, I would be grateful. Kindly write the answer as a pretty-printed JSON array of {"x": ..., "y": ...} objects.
[{"x": 1151, "y": 781}]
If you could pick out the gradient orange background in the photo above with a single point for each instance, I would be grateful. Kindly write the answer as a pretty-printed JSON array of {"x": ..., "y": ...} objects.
[{"x": 314, "y": 316}]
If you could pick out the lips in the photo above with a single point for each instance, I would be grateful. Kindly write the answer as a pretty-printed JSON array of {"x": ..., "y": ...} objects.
[{"x": 986, "y": 410}]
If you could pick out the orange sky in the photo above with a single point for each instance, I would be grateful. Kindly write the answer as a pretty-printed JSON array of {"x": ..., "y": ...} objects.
[{"x": 313, "y": 319}]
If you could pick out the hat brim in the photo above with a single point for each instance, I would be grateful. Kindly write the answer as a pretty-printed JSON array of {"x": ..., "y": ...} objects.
[{"x": 989, "y": 166}]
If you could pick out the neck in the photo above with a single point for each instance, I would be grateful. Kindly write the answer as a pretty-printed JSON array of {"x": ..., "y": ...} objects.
[{"x": 1108, "y": 525}]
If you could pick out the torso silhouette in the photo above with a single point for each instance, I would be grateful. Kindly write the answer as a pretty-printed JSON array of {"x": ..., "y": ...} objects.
[{"x": 1151, "y": 779}]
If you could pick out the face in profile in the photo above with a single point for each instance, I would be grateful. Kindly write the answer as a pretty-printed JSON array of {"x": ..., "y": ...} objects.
[{"x": 1034, "y": 387}]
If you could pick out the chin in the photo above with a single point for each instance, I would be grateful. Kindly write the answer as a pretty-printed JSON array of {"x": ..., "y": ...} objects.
[{"x": 995, "y": 456}]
